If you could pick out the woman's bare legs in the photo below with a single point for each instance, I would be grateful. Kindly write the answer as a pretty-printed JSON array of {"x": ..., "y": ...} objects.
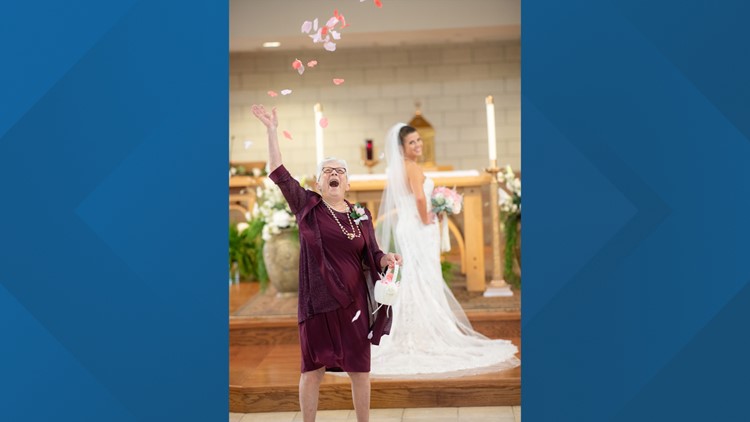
[
  {"x": 361, "y": 395},
  {"x": 309, "y": 390}
]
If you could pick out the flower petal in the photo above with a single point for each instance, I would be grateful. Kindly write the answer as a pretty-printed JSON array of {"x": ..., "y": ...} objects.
[
  {"x": 272, "y": 94},
  {"x": 338, "y": 81},
  {"x": 247, "y": 144},
  {"x": 312, "y": 63},
  {"x": 330, "y": 46},
  {"x": 324, "y": 122},
  {"x": 378, "y": 3},
  {"x": 286, "y": 91},
  {"x": 287, "y": 135},
  {"x": 356, "y": 316},
  {"x": 306, "y": 27}
]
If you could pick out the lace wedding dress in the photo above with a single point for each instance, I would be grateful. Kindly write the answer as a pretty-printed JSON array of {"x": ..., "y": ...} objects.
[{"x": 431, "y": 335}]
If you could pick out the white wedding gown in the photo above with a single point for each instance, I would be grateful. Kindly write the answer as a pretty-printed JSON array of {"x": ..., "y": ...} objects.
[{"x": 431, "y": 335}]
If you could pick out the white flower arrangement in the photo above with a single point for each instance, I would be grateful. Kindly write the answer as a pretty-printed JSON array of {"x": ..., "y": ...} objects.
[
  {"x": 510, "y": 197},
  {"x": 272, "y": 207}
]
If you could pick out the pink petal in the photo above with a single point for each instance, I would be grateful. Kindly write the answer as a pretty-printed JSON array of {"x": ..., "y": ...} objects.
[
  {"x": 312, "y": 63},
  {"x": 323, "y": 30},
  {"x": 330, "y": 46},
  {"x": 378, "y": 3},
  {"x": 315, "y": 24},
  {"x": 296, "y": 64},
  {"x": 306, "y": 27},
  {"x": 324, "y": 122},
  {"x": 286, "y": 91},
  {"x": 338, "y": 81},
  {"x": 332, "y": 22},
  {"x": 356, "y": 316},
  {"x": 272, "y": 94},
  {"x": 287, "y": 135},
  {"x": 336, "y": 12},
  {"x": 336, "y": 35},
  {"x": 343, "y": 22}
]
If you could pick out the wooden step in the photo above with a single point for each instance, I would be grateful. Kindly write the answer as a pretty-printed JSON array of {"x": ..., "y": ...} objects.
[
  {"x": 265, "y": 378},
  {"x": 283, "y": 330}
]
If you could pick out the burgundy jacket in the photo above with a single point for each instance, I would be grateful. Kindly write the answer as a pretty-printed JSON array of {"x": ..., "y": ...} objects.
[{"x": 320, "y": 287}]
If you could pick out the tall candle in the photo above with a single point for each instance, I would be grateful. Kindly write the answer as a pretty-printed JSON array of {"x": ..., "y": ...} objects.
[
  {"x": 491, "y": 139},
  {"x": 368, "y": 147},
  {"x": 318, "y": 133}
]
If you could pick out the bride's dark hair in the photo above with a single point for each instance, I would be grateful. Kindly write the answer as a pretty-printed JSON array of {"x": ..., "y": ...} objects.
[{"x": 403, "y": 132}]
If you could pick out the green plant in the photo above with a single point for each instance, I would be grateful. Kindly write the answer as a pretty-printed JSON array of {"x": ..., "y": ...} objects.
[
  {"x": 510, "y": 217},
  {"x": 512, "y": 250},
  {"x": 447, "y": 269},
  {"x": 246, "y": 249}
]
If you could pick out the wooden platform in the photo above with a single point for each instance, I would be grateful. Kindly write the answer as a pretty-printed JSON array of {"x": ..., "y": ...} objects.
[
  {"x": 266, "y": 379},
  {"x": 265, "y": 366}
]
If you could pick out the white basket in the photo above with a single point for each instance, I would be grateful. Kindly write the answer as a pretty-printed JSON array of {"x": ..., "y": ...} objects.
[{"x": 386, "y": 292}]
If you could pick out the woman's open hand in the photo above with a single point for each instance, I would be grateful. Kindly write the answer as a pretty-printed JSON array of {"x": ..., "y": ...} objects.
[{"x": 268, "y": 119}]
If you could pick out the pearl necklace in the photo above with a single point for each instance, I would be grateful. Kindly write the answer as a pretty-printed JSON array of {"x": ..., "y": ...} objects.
[{"x": 355, "y": 229}]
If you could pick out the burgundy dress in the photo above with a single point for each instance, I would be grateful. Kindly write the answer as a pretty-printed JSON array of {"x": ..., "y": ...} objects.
[{"x": 335, "y": 339}]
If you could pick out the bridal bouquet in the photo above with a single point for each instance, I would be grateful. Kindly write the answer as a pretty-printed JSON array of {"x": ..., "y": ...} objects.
[{"x": 446, "y": 201}]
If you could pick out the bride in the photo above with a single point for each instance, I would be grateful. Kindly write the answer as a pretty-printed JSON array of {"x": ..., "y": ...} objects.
[{"x": 430, "y": 335}]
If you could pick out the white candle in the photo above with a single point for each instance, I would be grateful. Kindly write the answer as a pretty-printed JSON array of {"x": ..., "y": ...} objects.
[
  {"x": 318, "y": 133},
  {"x": 491, "y": 139}
]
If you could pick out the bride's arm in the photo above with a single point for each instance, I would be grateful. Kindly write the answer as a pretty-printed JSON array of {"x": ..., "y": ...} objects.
[{"x": 415, "y": 179}]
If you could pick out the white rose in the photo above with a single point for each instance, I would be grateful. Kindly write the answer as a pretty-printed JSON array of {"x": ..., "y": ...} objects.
[
  {"x": 281, "y": 219},
  {"x": 503, "y": 195},
  {"x": 242, "y": 226}
]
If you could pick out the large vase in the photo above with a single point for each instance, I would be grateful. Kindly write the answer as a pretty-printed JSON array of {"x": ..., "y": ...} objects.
[{"x": 281, "y": 256}]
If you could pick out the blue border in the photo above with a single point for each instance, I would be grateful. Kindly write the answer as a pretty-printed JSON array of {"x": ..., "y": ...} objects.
[
  {"x": 635, "y": 152},
  {"x": 113, "y": 129}
]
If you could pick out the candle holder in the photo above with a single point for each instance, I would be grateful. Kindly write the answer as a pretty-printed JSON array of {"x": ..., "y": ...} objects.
[
  {"x": 498, "y": 286},
  {"x": 371, "y": 162}
]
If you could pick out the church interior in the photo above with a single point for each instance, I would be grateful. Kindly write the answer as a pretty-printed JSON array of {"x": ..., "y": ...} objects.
[{"x": 453, "y": 72}]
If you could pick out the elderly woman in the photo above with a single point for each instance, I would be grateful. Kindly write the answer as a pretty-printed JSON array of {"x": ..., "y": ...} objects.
[{"x": 339, "y": 261}]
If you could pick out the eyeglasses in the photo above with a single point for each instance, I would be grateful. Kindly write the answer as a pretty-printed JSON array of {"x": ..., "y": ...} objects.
[{"x": 338, "y": 170}]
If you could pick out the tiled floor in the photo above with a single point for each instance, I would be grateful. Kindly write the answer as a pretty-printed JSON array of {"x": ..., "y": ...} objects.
[{"x": 436, "y": 414}]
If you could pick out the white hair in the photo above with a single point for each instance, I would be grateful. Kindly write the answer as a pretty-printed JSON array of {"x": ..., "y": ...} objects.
[{"x": 328, "y": 160}]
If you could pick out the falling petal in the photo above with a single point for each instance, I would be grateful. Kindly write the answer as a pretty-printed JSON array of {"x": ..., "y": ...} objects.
[
  {"x": 272, "y": 94},
  {"x": 286, "y": 91},
  {"x": 343, "y": 22},
  {"x": 335, "y": 35},
  {"x": 369, "y": 336},
  {"x": 338, "y": 81},
  {"x": 356, "y": 316},
  {"x": 301, "y": 69},
  {"x": 317, "y": 37},
  {"x": 324, "y": 122},
  {"x": 315, "y": 24},
  {"x": 378, "y": 3},
  {"x": 330, "y": 46},
  {"x": 336, "y": 12},
  {"x": 247, "y": 144},
  {"x": 306, "y": 27},
  {"x": 324, "y": 30},
  {"x": 332, "y": 22},
  {"x": 312, "y": 63},
  {"x": 287, "y": 135},
  {"x": 296, "y": 64}
]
